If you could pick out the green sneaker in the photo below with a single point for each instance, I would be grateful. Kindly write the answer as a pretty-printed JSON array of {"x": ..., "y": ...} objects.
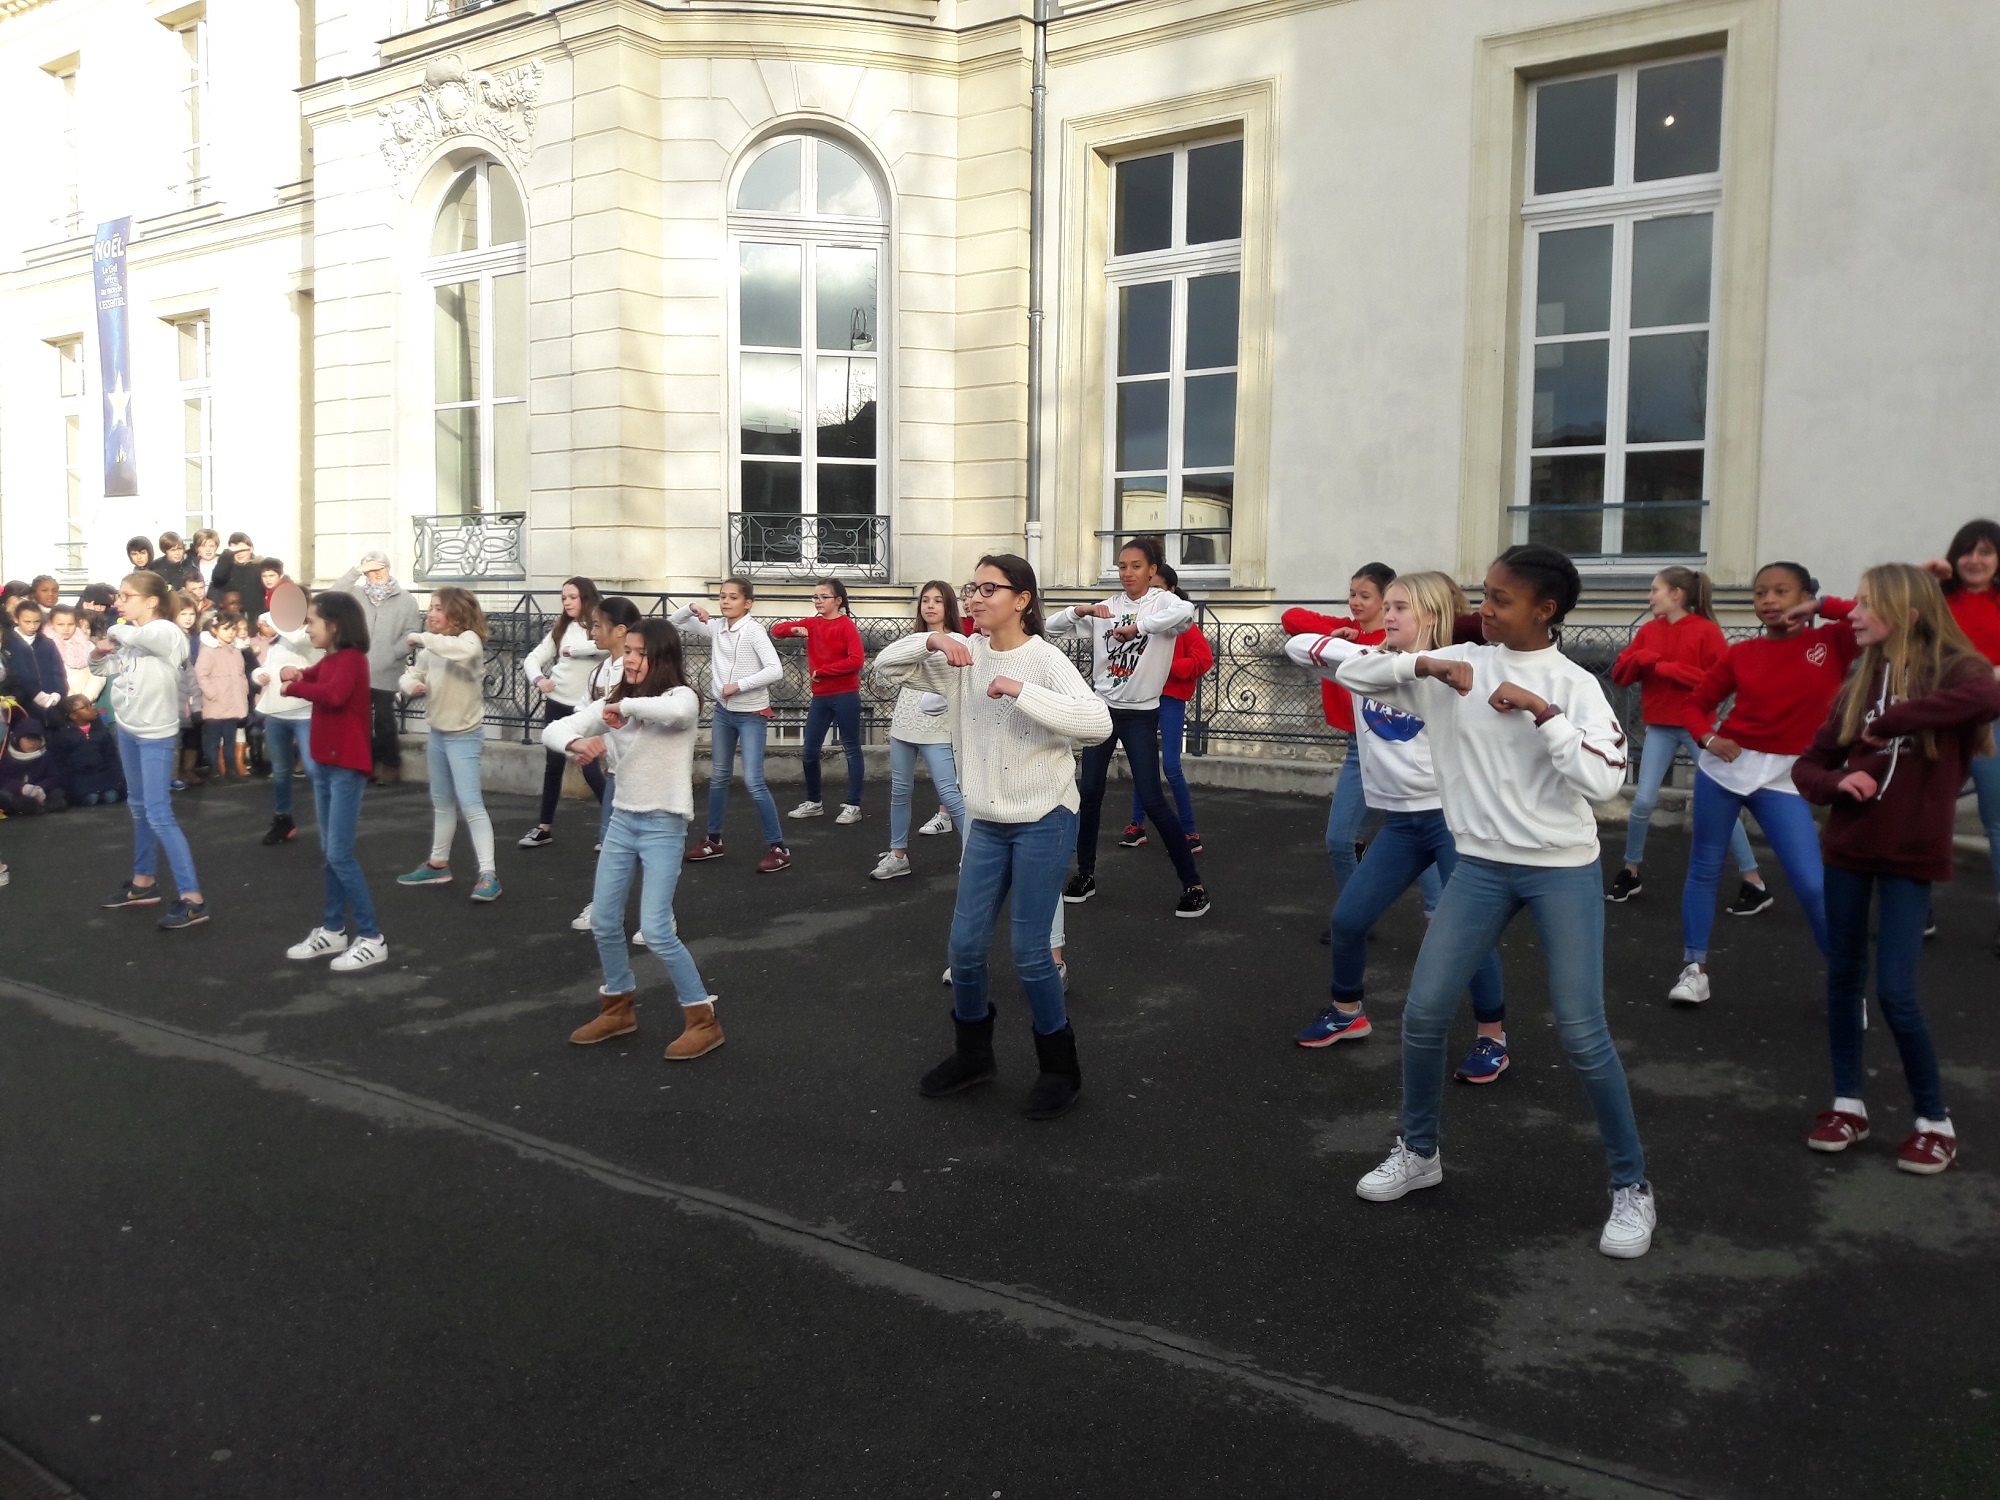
[
  {"x": 426, "y": 874},
  {"x": 486, "y": 887}
]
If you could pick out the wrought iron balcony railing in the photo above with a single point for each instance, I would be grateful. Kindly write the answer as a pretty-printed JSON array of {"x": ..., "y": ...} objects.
[
  {"x": 444, "y": 10},
  {"x": 766, "y": 545},
  {"x": 488, "y": 548}
]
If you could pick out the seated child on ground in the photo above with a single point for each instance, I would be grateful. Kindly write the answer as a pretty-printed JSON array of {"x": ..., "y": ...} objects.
[
  {"x": 30, "y": 777},
  {"x": 89, "y": 754}
]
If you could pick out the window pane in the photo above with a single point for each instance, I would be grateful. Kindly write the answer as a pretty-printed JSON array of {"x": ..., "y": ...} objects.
[
  {"x": 69, "y": 369},
  {"x": 1142, "y": 425},
  {"x": 1668, "y": 397},
  {"x": 845, "y": 531},
  {"x": 194, "y": 426},
  {"x": 456, "y": 345},
  {"x": 1207, "y": 503},
  {"x": 1145, "y": 204},
  {"x": 771, "y": 509},
  {"x": 195, "y": 471},
  {"x": 1576, "y": 133},
  {"x": 72, "y": 442},
  {"x": 770, "y": 294},
  {"x": 1679, "y": 131},
  {"x": 1215, "y": 193},
  {"x": 1566, "y": 480},
  {"x": 1140, "y": 505},
  {"x": 510, "y": 335},
  {"x": 1211, "y": 330},
  {"x": 846, "y": 400},
  {"x": 1573, "y": 281},
  {"x": 844, "y": 294},
  {"x": 510, "y": 455},
  {"x": 1208, "y": 430},
  {"x": 1662, "y": 502},
  {"x": 457, "y": 436},
  {"x": 1570, "y": 394},
  {"x": 457, "y": 225},
  {"x": 846, "y": 489},
  {"x": 845, "y": 188},
  {"x": 191, "y": 338},
  {"x": 510, "y": 219},
  {"x": 771, "y": 401},
  {"x": 772, "y": 185},
  {"x": 1145, "y": 328},
  {"x": 1670, "y": 266}
]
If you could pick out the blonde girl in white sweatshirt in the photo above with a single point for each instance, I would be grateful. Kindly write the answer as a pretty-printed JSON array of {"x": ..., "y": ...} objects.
[
  {"x": 1018, "y": 710},
  {"x": 1523, "y": 742},
  {"x": 449, "y": 674}
]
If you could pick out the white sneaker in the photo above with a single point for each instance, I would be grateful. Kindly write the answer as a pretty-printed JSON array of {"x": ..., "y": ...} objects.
[
  {"x": 581, "y": 921},
  {"x": 364, "y": 954},
  {"x": 940, "y": 823},
  {"x": 1628, "y": 1233},
  {"x": 849, "y": 813},
  {"x": 639, "y": 938},
  {"x": 1403, "y": 1172},
  {"x": 1691, "y": 988},
  {"x": 808, "y": 810},
  {"x": 947, "y": 974},
  {"x": 892, "y": 865},
  {"x": 319, "y": 943}
]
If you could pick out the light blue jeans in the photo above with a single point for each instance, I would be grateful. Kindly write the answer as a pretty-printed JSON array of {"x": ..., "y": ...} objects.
[
  {"x": 730, "y": 730},
  {"x": 451, "y": 759},
  {"x": 337, "y": 801},
  {"x": 1409, "y": 845},
  {"x": 286, "y": 740},
  {"x": 149, "y": 768},
  {"x": 902, "y": 782},
  {"x": 1788, "y": 827},
  {"x": 604, "y": 807},
  {"x": 1344, "y": 821},
  {"x": 1480, "y": 899},
  {"x": 1656, "y": 760},
  {"x": 1986, "y": 783},
  {"x": 1027, "y": 860},
  {"x": 656, "y": 841}
]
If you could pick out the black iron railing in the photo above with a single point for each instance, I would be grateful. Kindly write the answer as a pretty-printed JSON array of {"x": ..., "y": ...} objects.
[
  {"x": 777, "y": 545},
  {"x": 478, "y": 548}
]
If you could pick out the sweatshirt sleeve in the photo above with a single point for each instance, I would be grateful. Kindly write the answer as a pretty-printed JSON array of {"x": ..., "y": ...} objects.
[
  {"x": 1170, "y": 616},
  {"x": 535, "y": 663},
  {"x": 910, "y": 662},
  {"x": 770, "y": 670},
  {"x": 1065, "y": 621},
  {"x": 159, "y": 638},
  {"x": 1390, "y": 676},
  {"x": 1068, "y": 707},
  {"x": 1817, "y": 773},
  {"x": 414, "y": 676},
  {"x": 331, "y": 683},
  {"x": 785, "y": 628},
  {"x": 581, "y": 725},
  {"x": 1587, "y": 743},
  {"x": 1636, "y": 658},
  {"x": 677, "y": 708},
  {"x": 683, "y": 620},
  {"x": 465, "y": 647},
  {"x": 1310, "y": 622},
  {"x": 844, "y": 636},
  {"x": 1970, "y": 699},
  {"x": 1193, "y": 656},
  {"x": 1320, "y": 653},
  {"x": 588, "y": 651},
  {"x": 1699, "y": 716}
]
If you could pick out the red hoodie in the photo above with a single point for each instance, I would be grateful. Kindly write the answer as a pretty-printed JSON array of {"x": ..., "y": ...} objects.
[
  {"x": 1669, "y": 662},
  {"x": 833, "y": 652},
  {"x": 1905, "y": 828},
  {"x": 1194, "y": 657},
  {"x": 1332, "y": 696},
  {"x": 337, "y": 688},
  {"x": 1978, "y": 615},
  {"x": 1783, "y": 685}
]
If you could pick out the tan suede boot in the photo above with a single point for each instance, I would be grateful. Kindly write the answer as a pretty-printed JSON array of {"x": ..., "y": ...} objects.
[
  {"x": 703, "y": 1034},
  {"x": 614, "y": 1018}
]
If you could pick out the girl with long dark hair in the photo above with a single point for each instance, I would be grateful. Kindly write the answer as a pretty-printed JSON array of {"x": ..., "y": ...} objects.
[
  {"x": 742, "y": 666},
  {"x": 834, "y": 656},
  {"x": 560, "y": 667},
  {"x": 921, "y": 728}
]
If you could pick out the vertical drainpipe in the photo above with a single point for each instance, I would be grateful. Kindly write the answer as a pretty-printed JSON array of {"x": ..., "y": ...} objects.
[{"x": 1038, "y": 110}]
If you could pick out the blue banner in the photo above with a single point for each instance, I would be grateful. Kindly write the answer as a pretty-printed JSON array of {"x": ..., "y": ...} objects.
[{"x": 114, "y": 357}]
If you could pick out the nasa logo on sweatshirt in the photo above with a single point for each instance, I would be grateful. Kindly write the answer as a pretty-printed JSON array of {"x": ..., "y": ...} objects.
[
  {"x": 1387, "y": 722},
  {"x": 1816, "y": 654}
]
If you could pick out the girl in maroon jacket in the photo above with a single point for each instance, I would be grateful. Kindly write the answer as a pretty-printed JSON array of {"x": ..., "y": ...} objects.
[
  {"x": 342, "y": 715},
  {"x": 1888, "y": 763},
  {"x": 834, "y": 655}
]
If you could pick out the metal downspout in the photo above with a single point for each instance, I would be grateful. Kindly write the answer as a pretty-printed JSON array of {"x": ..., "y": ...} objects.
[{"x": 1039, "y": 99}]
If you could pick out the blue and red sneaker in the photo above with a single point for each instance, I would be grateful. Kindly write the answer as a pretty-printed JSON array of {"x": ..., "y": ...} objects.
[
  {"x": 1484, "y": 1063},
  {"x": 1334, "y": 1025}
]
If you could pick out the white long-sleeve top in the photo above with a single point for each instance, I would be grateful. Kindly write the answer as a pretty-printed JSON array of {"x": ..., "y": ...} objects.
[
  {"x": 145, "y": 673},
  {"x": 1016, "y": 756},
  {"x": 656, "y": 766},
  {"x": 451, "y": 669},
  {"x": 289, "y": 648},
  {"x": 1512, "y": 792},
  {"x": 1396, "y": 770},
  {"x": 568, "y": 666},
  {"x": 740, "y": 652},
  {"x": 1130, "y": 674}
]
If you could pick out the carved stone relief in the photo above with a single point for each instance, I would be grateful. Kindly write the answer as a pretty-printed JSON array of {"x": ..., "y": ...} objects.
[{"x": 454, "y": 100}]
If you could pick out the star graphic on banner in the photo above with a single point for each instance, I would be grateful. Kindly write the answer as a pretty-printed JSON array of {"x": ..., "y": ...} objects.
[{"x": 121, "y": 403}]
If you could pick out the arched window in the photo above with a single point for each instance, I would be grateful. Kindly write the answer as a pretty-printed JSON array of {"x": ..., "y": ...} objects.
[
  {"x": 478, "y": 275},
  {"x": 811, "y": 238}
]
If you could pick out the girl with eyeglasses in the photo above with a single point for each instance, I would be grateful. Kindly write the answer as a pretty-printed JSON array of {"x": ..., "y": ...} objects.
[{"x": 834, "y": 655}]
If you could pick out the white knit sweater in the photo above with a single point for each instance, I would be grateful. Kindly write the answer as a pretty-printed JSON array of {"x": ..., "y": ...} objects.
[
  {"x": 1016, "y": 756},
  {"x": 451, "y": 669},
  {"x": 567, "y": 669},
  {"x": 656, "y": 768}
]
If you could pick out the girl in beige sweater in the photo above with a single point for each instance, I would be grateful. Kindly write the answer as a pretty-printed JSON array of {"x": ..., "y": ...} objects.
[{"x": 449, "y": 674}]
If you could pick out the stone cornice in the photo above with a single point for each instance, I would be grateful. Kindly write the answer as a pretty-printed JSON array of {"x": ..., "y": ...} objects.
[{"x": 12, "y": 8}]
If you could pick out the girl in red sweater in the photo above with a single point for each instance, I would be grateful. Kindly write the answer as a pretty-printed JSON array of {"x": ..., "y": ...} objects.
[
  {"x": 1194, "y": 658},
  {"x": 337, "y": 687},
  {"x": 834, "y": 654},
  {"x": 1668, "y": 659},
  {"x": 1782, "y": 681},
  {"x": 1973, "y": 593},
  {"x": 1888, "y": 763}
]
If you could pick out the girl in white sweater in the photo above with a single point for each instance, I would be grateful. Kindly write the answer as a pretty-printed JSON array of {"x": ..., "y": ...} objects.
[
  {"x": 287, "y": 723},
  {"x": 560, "y": 668},
  {"x": 920, "y": 729},
  {"x": 1017, "y": 715},
  {"x": 613, "y": 621},
  {"x": 652, "y": 715},
  {"x": 743, "y": 666},
  {"x": 1524, "y": 742},
  {"x": 449, "y": 674}
]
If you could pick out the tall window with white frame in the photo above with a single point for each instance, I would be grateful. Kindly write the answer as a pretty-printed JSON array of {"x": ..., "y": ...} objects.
[
  {"x": 71, "y": 384},
  {"x": 193, "y": 38},
  {"x": 478, "y": 276},
  {"x": 810, "y": 231},
  {"x": 68, "y": 217},
  {"x": 1175, "y": 274},
  {"x": 1624, "y": 181},
  {"x": 191, "y": 336}
]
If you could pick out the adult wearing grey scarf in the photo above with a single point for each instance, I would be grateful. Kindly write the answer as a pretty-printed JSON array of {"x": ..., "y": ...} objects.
[{"x": 393, "y": 615}]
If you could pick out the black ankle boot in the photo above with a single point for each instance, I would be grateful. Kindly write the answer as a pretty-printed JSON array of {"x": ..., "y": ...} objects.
[
  {"x": 971, "y": 1063},
  {"x": 1060, "y": 1081}
]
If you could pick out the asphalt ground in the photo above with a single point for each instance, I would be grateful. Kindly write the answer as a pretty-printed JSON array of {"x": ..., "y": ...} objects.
[{"x": 267, "y": 1231}]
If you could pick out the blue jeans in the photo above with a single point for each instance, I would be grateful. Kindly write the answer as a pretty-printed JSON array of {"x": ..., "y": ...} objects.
[
  {"x": 218, "y": 743},
  {"x": 657, "y": 841},
  {"x": 604, "y": 807},
  {"x": 1904, "y": 908},
  {"x": 902, "y": 781},
  {"x": 337, "y": 801},
  {"x": 1656, "y": 760},
  {"x": 824, "y": 712},
  {"x": 149, "y": 769},
  {"x": 1410, "y": 844},
  {"x": 1138, "y": 730},
  {"x": 1788, "y": 825},
  {"x": 1986, "y": 783},
  {"x": 451, "y": 760},
  {"x": 1173, "y": 729},
  {"x": 1028, "y": 860},
  {"x": 728, "y": 731},
  {"x": 1480, "y": 899},
  {"x": 1345, "y": 820},
  {"x": 285, "y": 739}
]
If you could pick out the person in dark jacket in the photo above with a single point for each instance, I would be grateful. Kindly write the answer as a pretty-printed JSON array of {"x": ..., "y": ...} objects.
[
  {"x": 236, "y": 568},
  {"x": 88, "y": 752},
  {"x": 30, "y": 773},
  {"x": 173, "y": 563},
  {"x": 36, "y": 676},
  {"x": 393, "y": 616}
]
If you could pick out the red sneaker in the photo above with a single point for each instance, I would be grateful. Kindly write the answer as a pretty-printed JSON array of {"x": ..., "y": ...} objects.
[
  {"x": 1836, "y": 1130},
  {"x": 708, "y": 848},
  {"x": 779, "y": 858},
  {"x": 1927, "y": 1153}
]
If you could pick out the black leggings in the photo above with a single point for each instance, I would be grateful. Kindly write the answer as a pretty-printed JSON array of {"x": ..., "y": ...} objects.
[
  {"x": 552, "y": 768},
  {"x": 1138, "y": 730}
]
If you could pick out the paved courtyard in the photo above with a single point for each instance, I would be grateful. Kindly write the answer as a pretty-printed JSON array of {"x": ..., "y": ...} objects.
[{"x": 271, "y": 1232}]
